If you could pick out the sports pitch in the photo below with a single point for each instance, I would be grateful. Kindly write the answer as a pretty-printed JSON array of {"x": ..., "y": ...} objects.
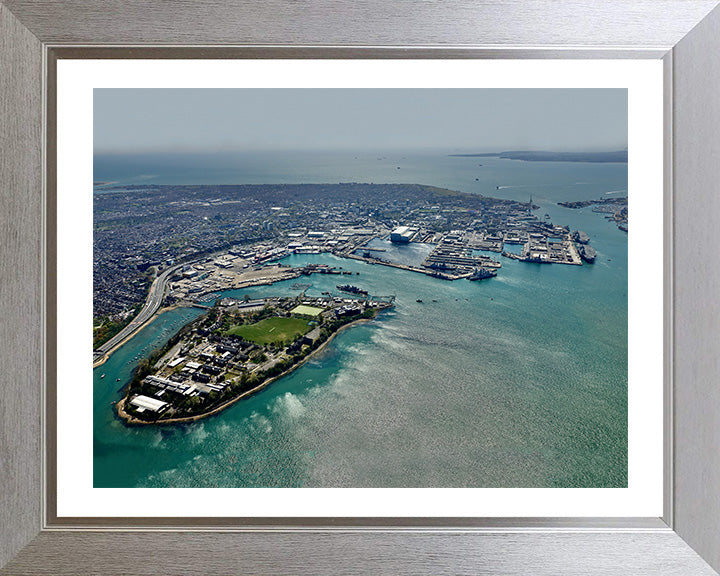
[
  {"x": 304, "y": 310},
  {"x": 271, "y": 330}
]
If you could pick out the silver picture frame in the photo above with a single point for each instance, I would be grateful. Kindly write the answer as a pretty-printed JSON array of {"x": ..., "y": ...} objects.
[{"x": 685, "y": 34}]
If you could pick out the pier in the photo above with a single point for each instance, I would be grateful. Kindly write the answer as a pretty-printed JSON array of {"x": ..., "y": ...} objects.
[{"x": 385, "y": 263}]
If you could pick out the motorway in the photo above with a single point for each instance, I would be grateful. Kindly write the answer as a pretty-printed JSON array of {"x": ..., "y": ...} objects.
[{"x": 154, "y": 299}]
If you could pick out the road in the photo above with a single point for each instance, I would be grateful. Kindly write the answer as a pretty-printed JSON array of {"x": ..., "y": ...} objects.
[{"x": 154, "y": 299}]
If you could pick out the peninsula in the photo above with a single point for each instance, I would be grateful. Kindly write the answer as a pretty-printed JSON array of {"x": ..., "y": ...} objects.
[
  {"x": 615, "y": 209},
  {"x": 545, "y": 156},
  {"x": 235, "y": 350}
]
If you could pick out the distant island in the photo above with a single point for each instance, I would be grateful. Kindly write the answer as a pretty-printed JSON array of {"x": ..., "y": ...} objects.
[{"x": 544, "y": 156}]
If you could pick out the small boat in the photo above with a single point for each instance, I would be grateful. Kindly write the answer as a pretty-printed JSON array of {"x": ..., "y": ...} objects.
[
  {"x": 102, "y": 376},
  {"x": 418, "y": 300},
  {"x": 117, "y": 379},
  {"x": 434, "y": 300}
]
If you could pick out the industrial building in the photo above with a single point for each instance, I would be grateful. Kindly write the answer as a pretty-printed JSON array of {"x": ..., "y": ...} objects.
[
  {"x": 143, "y": 403},
  {"x": 402, "y": 234}
]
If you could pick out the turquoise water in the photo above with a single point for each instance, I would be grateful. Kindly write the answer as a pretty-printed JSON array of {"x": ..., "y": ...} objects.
[{"x": 517, "y": 381}]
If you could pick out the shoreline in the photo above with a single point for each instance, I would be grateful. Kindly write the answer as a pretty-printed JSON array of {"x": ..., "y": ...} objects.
[
  {"x": 289, "y": 273},
  {"x": 130, "y": 336},
  {"x": 131, "y": 421},
  {"x": 239, "y": 286}
]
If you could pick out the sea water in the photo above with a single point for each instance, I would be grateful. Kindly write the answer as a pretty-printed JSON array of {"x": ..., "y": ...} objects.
[{"x": 516, "y": 381}]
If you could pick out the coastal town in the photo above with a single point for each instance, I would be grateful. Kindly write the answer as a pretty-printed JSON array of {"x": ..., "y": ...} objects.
[
  {"x": 206, "y": 239},
  {"x": 239, "y": 346}
]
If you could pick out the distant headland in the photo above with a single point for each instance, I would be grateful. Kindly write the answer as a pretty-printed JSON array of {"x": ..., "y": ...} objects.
[{"x": 544, "y": 156}]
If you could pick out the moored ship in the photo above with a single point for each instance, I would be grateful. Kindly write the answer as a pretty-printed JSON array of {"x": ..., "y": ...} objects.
[
  {"x": 587, "y": 253},
  {"x": 482, "y": 274},
  {"x": 351, "y": 289}
]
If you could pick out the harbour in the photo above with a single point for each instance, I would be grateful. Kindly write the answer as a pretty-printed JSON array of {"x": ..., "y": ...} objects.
[{"x": 530, "y": 365}]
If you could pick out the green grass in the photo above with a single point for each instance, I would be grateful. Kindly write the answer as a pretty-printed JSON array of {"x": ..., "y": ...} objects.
[{"x": 270, "y": 330}]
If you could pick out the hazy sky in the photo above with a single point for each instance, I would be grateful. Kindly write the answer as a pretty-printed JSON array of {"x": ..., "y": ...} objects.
[{"x": 211, "y": 120}]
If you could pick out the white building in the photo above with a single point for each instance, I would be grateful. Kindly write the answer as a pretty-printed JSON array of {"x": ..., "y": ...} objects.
[
  {"x": 402, "y": 234},
  {"x": 143, "y": 403}
]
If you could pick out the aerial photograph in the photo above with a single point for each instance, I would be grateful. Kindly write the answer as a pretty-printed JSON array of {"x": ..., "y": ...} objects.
[{"x": 360, "y": 288}]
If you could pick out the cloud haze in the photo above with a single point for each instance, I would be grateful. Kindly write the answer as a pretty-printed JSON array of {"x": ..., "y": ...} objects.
[{"x": 211, "y": 120}]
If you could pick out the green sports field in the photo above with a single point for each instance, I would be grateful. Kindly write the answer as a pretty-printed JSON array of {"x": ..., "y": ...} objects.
[{"x": 270, "y": 330}]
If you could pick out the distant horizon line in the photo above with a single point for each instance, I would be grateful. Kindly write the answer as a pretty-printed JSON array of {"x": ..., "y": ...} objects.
[{"x": 335, "y": 150}]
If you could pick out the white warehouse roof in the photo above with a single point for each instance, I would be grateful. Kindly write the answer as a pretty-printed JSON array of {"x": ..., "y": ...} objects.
[{"x": 148, "y": 403}]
